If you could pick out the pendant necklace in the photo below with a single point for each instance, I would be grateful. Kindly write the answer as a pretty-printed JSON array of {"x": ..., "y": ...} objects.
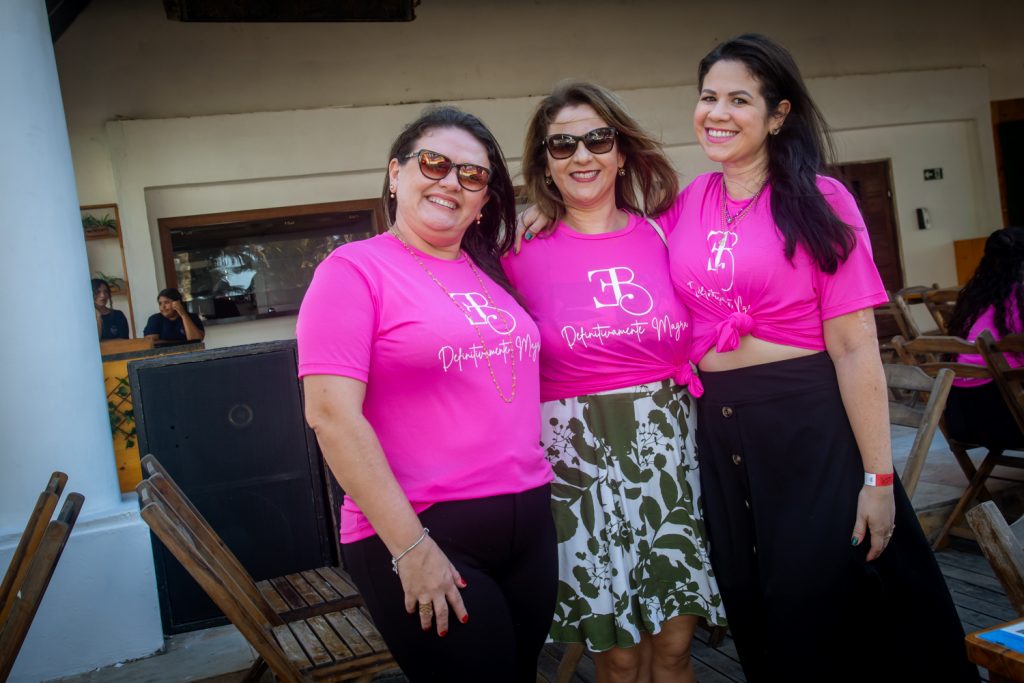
[{"x": 462, "y": 309}]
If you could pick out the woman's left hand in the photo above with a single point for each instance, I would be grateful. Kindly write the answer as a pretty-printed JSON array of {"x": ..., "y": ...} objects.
[{"x": 876, "y": 513}]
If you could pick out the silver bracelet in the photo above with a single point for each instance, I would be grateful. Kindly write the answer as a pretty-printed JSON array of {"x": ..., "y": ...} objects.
[{"x": 395, "y": 559}]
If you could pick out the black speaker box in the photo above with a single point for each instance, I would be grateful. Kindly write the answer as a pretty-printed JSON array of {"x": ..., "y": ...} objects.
[{"x": 228, "y": 426}]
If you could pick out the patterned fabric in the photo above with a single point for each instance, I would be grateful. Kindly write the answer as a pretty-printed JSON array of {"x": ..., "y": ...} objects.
[{"x": 626, "y": 501}]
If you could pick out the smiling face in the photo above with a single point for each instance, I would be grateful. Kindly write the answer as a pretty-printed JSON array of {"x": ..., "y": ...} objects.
[
  {"x": 432, "y": 215},
  {"x": 166, "y": 307},
  {"x": 731, "y": 120},
  {"x": 585, "y": 180}
]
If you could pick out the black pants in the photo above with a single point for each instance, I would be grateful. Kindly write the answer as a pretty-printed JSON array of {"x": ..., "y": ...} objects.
[
  {"x": 504, "y": 548},
  {"x": 980, "y": 415},
  {"x": 780, "y": 475}
]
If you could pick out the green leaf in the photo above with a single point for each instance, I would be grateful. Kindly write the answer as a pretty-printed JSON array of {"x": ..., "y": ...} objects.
[
  {"x": 565, "y": 522},
  {"x": 669, "y": 491},
  {"x": 587, "y": 512},
  {"x": 651, "y": 511},
  {"x": 572, "y": 475}
]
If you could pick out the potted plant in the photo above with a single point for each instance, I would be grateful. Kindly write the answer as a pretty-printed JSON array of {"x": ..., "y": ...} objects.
[
  {"x": 99, "y": 227},
  {"x": 116, "y": 284}
]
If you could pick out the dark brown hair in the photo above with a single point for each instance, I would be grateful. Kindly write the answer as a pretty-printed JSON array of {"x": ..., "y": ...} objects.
[
  {"x": 487, "y": 240},
  {"x": 801, "y": 150},
  {"x": 650, "y": 184}
]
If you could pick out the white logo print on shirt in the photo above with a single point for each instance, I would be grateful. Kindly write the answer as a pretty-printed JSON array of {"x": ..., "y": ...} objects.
[
  {"x": 721, "y": 243},
  {"x": 480, "y": 312},
  {"x": 629, "y": 296}
]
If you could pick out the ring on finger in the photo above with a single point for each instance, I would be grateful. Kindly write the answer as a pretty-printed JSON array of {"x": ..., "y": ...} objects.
[{"x": 427, "y": 609}]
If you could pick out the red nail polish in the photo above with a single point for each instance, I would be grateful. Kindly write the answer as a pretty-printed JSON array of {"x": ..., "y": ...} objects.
[
  {"x": 465, "y": 618},
  {"x": 464, "y": 584},
  {"x": 443, "y": 633}
]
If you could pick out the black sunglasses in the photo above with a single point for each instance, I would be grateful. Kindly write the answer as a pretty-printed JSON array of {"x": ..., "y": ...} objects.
[
  {"x": 437, "y": 167},
  {"x": 597, "y": 141}
]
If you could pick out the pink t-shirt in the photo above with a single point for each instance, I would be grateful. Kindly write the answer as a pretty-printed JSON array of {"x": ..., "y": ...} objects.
[
  {"x": 987, "y": 321},
  {"x": 373, "y": 314},
  {"x": 607, "y": 313},
  {"x": 740, "y": 282}
]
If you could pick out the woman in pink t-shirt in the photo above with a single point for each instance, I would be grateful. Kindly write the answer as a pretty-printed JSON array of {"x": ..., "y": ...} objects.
[
  {"x": 420, "y": 371},
  {"x": 634, "y": 570},
  {"x": 824, "y": 570},
  {"x": 993, "y": 300}
]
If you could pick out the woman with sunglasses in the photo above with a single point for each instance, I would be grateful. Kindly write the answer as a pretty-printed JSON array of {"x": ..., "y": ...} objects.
[
  {"x": 634, "y": 571},
  {"x": 420, "y": 372}
]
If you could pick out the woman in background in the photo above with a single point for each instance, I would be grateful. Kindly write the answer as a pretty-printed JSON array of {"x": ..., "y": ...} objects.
[
  {"x": 634, "y": 571},
  {"x": 421, "y": 382},
  {"x": 992, "y": 300},
  {"x": 173, "y": 323},
  {"x": 110, "y": 324}
]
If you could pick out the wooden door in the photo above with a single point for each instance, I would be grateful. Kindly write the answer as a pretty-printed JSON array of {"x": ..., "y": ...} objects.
[{"x": 870, "y": 184}]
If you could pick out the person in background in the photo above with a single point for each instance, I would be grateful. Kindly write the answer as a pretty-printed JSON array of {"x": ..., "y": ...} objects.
[
  {"x": 420, "y": 373},
  {"x": 618, "y": 421},
  {"x": 110, "y": 324},
  {"x": 993, "y": 300},
  {"x": 173, "y": 323}
]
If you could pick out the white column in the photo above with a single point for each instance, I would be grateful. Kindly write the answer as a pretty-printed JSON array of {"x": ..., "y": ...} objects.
[{"x": 52, "y": 401}]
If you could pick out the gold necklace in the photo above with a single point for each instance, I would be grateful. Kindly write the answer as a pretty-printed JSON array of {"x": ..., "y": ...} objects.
[
  {"x": 490, "y": 302},
  {"x": 728, "y": 220}
]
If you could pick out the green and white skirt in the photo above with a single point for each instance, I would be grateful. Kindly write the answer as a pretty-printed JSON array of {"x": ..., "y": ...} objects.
[{"x": 626, "y": 500}]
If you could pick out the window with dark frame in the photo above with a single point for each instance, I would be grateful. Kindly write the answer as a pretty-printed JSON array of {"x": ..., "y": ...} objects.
[{"x": 247, "y": 265}]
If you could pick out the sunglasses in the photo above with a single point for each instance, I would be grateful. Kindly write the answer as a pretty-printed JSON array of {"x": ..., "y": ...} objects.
[
  {"x": 437, "y": 167},
  {"x": 597, "y": 141}
]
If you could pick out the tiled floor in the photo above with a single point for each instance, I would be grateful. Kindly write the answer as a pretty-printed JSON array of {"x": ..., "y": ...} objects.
[{"x": 219, "y": 655}]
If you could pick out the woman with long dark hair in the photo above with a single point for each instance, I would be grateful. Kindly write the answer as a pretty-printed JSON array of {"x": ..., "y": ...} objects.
[
  {"x": 993, "y": 300},
  {"x": 824, "y": 570},
  {"x": 421, "y": 382}
]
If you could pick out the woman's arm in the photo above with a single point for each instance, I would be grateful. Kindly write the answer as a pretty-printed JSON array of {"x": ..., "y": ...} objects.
[
  {"x": 334, "y": 409},
  {"x": 192, "y": 331},
  {"x": 852, "y": 343}
]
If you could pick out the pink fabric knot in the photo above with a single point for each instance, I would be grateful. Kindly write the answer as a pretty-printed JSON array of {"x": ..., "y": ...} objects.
[
  {"x": 685, "y": 376},
  {"x": 731, "y": 329}
]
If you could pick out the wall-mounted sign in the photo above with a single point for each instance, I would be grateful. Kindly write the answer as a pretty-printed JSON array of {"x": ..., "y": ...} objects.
[{"x": 933, "y": 174}]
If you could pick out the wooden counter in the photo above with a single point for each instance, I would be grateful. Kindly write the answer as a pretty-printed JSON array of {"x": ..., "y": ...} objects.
[{"x": 117, "y": 353}]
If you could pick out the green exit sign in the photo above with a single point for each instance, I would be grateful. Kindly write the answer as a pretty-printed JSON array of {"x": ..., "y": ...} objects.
[{"x": 933, "y": 174}]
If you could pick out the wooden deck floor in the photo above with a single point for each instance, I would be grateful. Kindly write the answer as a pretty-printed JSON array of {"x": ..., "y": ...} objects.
[{"x": 980, "y": 601}]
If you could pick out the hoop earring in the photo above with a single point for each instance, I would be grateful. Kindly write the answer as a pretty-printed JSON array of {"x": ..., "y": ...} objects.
[{"x": 622, "y": 171}]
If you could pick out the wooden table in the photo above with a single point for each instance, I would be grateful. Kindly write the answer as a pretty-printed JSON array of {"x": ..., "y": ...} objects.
[{"x": 1003, "y": 663}]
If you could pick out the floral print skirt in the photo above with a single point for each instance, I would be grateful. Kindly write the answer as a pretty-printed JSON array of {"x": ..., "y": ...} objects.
[{"x": 626, "y": 502}]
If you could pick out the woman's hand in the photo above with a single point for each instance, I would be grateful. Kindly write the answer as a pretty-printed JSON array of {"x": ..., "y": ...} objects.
[
  {"x": 529, "y": 224},
  {"x": 428, "y": 578},
  {"x": 876, "y": 513}
]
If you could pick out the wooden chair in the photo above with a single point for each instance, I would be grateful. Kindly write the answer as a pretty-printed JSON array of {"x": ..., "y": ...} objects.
[
  {"x": 1001, "y": 544},
  {"x": 940, "y": 303},
  {"x": 904, "y": 301},
  {"x": 924, "y": 419},
  {"x": 328, "y": 646},
  {"x": 303, "y": 594},
  {"x": 33, "y": 566},
  {"x": 933, "y": 354},
  {"x": 30, "y": 539}
]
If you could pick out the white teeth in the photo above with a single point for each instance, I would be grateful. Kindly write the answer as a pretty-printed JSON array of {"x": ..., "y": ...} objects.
[
  {"x": 584, "y": 174},
  {"x": 721, "y": 133},
  {"x": 442, "y": 202}
]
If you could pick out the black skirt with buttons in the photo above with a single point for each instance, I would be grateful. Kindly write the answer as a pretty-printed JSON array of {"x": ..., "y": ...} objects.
[{"x": 780, "y": 475}]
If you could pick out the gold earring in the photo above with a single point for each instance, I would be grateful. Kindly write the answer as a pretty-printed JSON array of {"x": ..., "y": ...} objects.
[{"x": 622, "y": 171}]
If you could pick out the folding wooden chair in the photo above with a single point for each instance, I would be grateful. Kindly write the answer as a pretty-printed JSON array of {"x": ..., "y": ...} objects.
[
  {"x": 932, "y": 354},
  {"x": 925, "y": 419},
  {"x": 30, "y": 539},
  {"x": 33, "y": 565},
  {"x": 1001, "y": 544},
  {"x": 904, "y": 301},
  {"x": 338, "y": 645},
  {"x": 940, "y": 303}
]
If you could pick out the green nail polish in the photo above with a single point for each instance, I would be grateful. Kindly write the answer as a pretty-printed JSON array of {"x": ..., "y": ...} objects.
[
  {"x": 528, "y": 236},
  {"x": 854, "y": 542}
]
